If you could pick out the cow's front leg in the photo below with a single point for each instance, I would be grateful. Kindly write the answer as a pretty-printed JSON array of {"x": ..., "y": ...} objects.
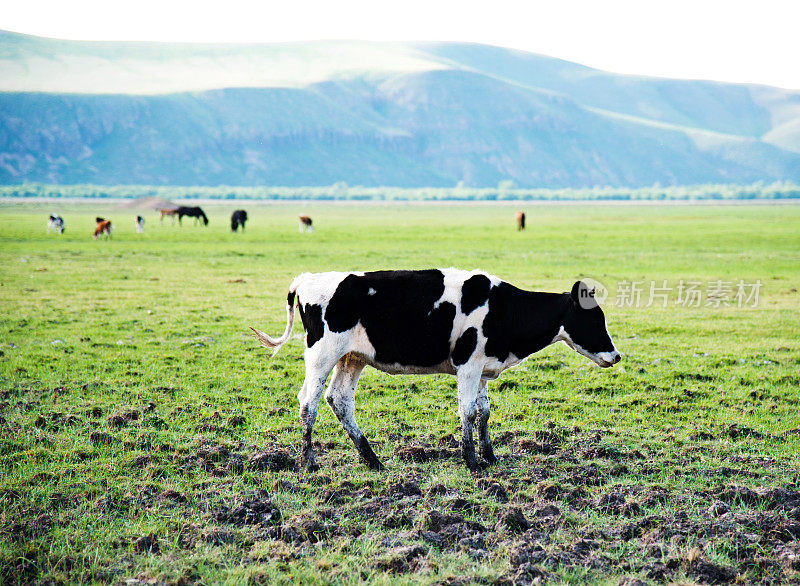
[
  {"x": 468, "y": 382},
  {"x": 486, "y": 451}
]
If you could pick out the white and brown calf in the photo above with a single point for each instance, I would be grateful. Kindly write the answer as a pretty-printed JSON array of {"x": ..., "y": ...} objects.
[
  {"x": 102, "y": 228},
  {"x": 468, "y": 324},
  {"x": 306, "y": 224}
]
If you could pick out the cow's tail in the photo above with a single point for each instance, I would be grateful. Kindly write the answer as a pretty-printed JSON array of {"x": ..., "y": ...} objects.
[{"x": 268, "y": 341}]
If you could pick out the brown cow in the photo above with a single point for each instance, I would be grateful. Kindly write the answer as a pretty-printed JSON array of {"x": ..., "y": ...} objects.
[
  {"x": 103, "y": 228},
  {"x": 305, "y": 224},
  {"x": 171, "y": 213},
  {"x": 520, "y": 217}
]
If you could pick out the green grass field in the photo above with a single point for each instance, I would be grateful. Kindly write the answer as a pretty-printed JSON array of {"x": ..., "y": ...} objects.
[{"x": 146, "y": 438}]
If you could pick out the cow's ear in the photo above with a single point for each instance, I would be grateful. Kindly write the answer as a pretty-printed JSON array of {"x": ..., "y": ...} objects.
[
  {"x": 576, "y": 290},
  {"x": 582, "y": 296}
]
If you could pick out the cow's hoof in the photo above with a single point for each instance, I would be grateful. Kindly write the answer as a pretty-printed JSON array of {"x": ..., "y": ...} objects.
[
  {"x": 490, "y": 459},
  {"x": 310, "y": 466},
  {"x": 376, "y": 465}
]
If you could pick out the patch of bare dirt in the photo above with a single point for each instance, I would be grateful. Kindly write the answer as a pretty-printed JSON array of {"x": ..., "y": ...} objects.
[
  {"x": 218, "y": 459},
  {"x": 146, "y": 544},
  {"x": 402, "y": 559},
  {"x": 249, "y": 512},
  {"x": 274, "y": 458},
  {"x": 123, "y": 418},
  {"x": 424, "y": 452}
]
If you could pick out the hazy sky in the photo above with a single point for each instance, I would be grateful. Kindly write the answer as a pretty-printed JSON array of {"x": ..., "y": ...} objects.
[{"x": 755, "y": 41}]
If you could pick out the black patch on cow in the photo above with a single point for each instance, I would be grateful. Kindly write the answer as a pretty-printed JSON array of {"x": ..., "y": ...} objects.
[
  {"x": 464, "y": 347},
  {"x": 290, "y": 298},
  {"x": 474, "y": 293},
  {"x": 522, "y": 322},
  {"x": 312, "y": 322},
  {"x": 399, "y": 316}
]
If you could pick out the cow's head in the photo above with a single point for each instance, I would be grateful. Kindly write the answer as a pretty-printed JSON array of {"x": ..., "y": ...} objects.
[{"x": 584, "y": 328}]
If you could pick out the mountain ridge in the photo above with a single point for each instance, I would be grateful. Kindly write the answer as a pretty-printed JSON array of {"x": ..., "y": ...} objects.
[{"x": 433, "y": 114}]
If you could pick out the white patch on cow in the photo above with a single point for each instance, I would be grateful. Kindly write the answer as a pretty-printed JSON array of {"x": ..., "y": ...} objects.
[
  {"x": 341, "y": 392},
  {"x": 318, "y": 288},
  {"x": 489, "y": 367},
  {"x": 453, "y": 286},
  {"x": 371, "y": 291},
  {"x": 453, "y": 280},
  {"x": 359, "y": 342},
  {"x": 604, "y": 359},
  {"x": 493, "y": 367}
]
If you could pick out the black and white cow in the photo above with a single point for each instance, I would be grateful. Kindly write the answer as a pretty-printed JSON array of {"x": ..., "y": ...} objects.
[
  {"x": 468, "y": 324},
  {"x": 56, "y": 224}
]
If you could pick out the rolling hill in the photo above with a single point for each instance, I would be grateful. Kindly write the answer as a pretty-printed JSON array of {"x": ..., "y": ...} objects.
[{"x": 395, "y": 114}]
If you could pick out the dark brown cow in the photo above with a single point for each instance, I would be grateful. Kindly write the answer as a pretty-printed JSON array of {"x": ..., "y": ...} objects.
[
  {"x": 520, "y": 217},
  {"x": 306, "y": 224}
]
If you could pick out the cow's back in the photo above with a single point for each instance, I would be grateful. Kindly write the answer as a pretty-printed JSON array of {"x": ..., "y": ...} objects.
[{"x": 411, "y": 318}]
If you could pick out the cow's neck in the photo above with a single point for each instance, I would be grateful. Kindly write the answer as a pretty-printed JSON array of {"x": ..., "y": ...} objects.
[{"x": 540, "y": 318}]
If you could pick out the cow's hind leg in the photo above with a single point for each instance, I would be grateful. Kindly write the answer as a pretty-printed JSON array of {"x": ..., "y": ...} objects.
[
  {"x": 468, "y": 382},
  {"x": 318, "y": 367},
  {"x": 483, "y": 423},
  {"x": 341, "y": 396}
]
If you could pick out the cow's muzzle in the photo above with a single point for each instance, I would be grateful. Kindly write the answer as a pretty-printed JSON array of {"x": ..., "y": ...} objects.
[{"x": 607, "y": 359}]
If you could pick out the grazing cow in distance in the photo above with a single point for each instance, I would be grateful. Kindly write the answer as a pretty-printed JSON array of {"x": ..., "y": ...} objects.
[
  {"x": 139, "y": 224},
  {"x": 193, "y": 212},
  {"x": 468, "y": 324},
  {"x": 103, "y": 228},
  {"x": 306, "y": 224},
  {"x": 168, "y": 212},
  {"x": 520, "y": 217},
  {"x": 238, "y": 218},
  {"x": 56, "y": 224}
]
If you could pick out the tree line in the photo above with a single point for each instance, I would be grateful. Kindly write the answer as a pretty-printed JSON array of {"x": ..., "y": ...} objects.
[{"x": 505, "y": 191}]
